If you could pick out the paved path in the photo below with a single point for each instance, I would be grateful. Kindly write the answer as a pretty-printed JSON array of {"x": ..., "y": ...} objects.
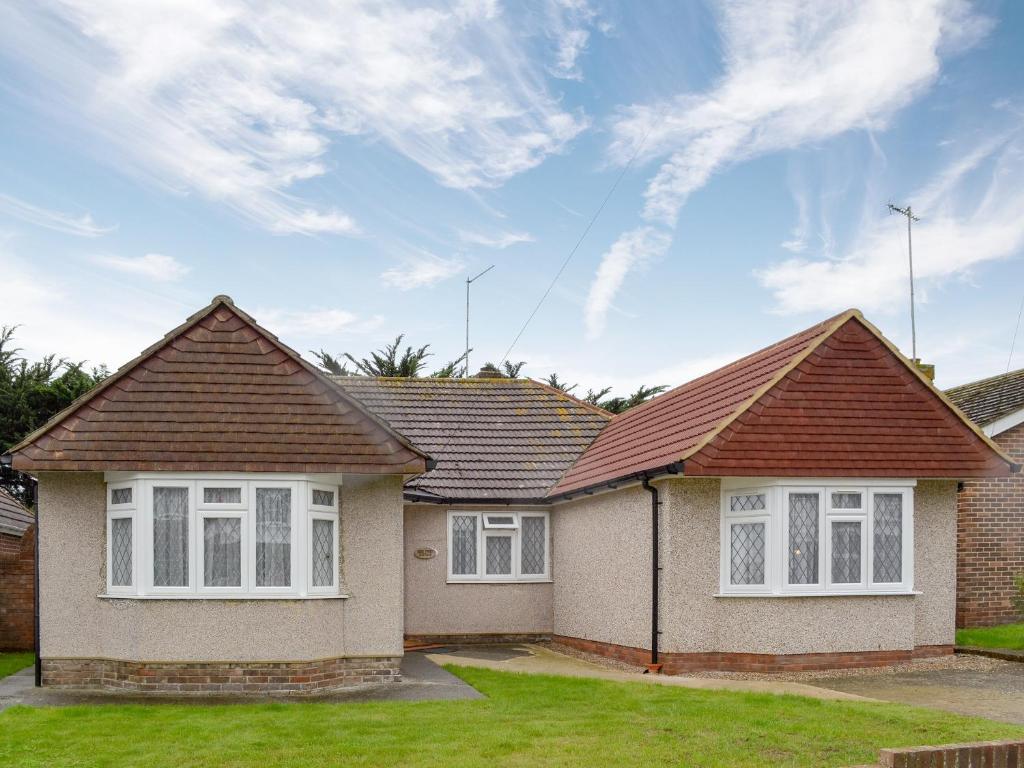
[
  {"x": 539, "y": 660},
  {"x": 422, "y": 680}
]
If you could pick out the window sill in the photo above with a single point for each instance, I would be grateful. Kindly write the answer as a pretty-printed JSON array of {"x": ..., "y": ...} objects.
[
  {"x": 852, "y": 593},
  {"x": 222, "y": 597},
  {"x": 500, "y": 581}
]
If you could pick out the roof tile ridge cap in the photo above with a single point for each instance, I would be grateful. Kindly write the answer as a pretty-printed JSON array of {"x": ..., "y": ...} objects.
[
  {"x": 561, "y": 393},
  {"x": 930, "y": 385},
  {"x": 120, "y": 373},
  {"x": 987, "y": 380},
  {"x": 832, "y": 325}
]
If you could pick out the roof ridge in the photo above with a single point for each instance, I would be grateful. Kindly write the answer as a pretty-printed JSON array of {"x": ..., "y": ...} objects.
[
  {"x": 988, "y": 379},
  {"x": 562, "y": 393}
]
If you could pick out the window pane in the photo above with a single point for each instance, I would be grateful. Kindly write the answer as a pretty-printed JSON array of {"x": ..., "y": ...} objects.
[
  {"x": 273, "y": 537},
  {"x": 121, "y": 496},
  {"x": 846, "y": 553},
  {"x": 803, "y": 538},
  {"x": 323, "y": 498},
  {"x": 888, "y": 538},
  {"x": 121, "y": 552},
  {"x": 222, "y": 552},
  {"x": 846, "y": 500},
  {"x": 746, "y": 503},
  {"x": 222, "y": 495},
  {"x": 323, "y": 553},
  {"x": 170, "y": 537},
  {"x": 499, "y": 556},
  {"x": 463, "y": 545},
  {"x": 747, "y": 553},
  {"x": 532, "y": 546}
]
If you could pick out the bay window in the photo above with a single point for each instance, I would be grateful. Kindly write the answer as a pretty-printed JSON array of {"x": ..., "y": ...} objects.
[
  {"x": 179, "y": 537},
  {"x": 805, "y": 537},
  {"x": 498, "y": 546}
]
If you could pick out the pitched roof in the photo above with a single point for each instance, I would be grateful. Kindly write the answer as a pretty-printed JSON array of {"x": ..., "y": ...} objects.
[
  {"x": 990, "y": 399},
  {"x": 218, "y": 393},
  {"x": 493, "y": 439},
  {"x": 14, "y": 517},
  {"x": 834, "y": 400}
]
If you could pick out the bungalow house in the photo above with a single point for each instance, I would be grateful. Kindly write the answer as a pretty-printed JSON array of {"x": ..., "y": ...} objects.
[
  {"x": 220, "y": 515},
  {"x": 990, "y": 523}
]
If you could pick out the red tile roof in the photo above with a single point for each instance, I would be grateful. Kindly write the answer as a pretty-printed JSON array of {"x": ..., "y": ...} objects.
[
  {"x": 834, "y": 400},
  {"x": 218, "y": 393}
]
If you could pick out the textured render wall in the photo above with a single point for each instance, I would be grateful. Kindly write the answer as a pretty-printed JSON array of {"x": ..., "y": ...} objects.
[
  {"x": 434, "y": 607},
  {"x": 602, "y": 571},
  {"x": 74, "y": 623},
  {"x": 693, "y": 620},
  {"x": 990, "y": 543}
]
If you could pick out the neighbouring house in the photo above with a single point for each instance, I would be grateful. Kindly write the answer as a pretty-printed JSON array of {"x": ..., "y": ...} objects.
[
  {"x": 990, "y": 524},
  {"x": 221, "y": 515},
  {"x": 17, "y": 574}
]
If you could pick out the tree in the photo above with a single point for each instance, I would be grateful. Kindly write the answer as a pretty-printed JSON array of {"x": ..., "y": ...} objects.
[
  {"x": 623, "y": 404},
  {"x": 561, "y": 386},
  {"x": 389, "y": 361}
]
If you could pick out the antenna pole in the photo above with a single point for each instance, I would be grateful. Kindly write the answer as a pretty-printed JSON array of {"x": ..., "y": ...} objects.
[
  {"x": 909, "y": 213},
  {"x": 469, "y": 281}
]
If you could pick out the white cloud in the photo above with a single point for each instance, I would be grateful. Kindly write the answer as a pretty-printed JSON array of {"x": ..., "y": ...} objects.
[
  {"x": 500, "y": 240},
  {"x": 82, "y": 226},
  {"x": 797, "y": 242},
  {"x": 153, "y": 266},
  {"x": 241, "y": 101},
  {"x": 960, "y": 228},
  {"x": 421, "y": 272},
  {"x": 314, "y": 322},
  {"x": 794, "y": 73},
  {"x": 632, "y": 249},
  {"x": 568, "y": 23}
]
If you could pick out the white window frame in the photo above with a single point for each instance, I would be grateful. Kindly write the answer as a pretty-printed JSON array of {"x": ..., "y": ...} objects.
[
  {"x": 303, "y": 511},
  {"x": 776, "y": 518},
  {"x": 500, "y": 531}
]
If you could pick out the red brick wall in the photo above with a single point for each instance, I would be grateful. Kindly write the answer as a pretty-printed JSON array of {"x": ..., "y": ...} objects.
[
  {"x": 990, "y": 543},
  {"x": 17, "y": 593}
]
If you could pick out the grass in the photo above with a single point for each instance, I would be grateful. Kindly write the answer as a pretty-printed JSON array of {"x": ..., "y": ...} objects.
[
  {"x": 1009, "y": 636},
  {"x": 527, "y": 720},
  {"x": 12, "y": 662}
]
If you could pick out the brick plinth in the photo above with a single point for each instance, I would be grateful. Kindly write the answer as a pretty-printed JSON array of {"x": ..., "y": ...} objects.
[
  {"x": 221, "y": 676},
  {"x": 983, "y": 753},
  {"x": 990, "y": 543},
  {"x": 681, "y": 663},
  {"x": 470, "y": 639}
]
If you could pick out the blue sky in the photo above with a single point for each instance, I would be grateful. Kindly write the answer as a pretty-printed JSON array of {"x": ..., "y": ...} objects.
[{"x": 341, "y": 168}]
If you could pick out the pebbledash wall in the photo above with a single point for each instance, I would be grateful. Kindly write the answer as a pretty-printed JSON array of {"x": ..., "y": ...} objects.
[
  {"x": 218, "y": 645},
  {"x": 602, "y": 589},
  {"x": 990, "y": 544},
  {"x": 436, "y": 611}
]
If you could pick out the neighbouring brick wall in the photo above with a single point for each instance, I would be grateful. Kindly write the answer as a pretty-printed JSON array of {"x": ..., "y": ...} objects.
[
  {"x": 990, "y": 543},
  {"x": 221, "y": 676},
  {"x": 17, "y": 594},
  {"x": 982, "y": 754},
  {"x": 9, "y": 544}
]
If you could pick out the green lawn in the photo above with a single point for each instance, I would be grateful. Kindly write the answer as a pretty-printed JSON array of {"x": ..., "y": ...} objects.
[
  {"x": 1007, "y": 636},
  {"x": 12, "y": 662},
  {"x": 526, "y": 720}
]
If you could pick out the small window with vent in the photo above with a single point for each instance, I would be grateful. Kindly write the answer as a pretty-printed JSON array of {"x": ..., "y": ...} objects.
[{"x": 500, "y": 522}]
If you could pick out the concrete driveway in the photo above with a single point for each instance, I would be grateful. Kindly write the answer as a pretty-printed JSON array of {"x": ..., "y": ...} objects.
[{"x": 994, "y": 691}]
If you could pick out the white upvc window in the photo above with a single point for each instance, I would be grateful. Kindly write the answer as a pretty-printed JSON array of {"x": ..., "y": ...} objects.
[
  {"x": 817, "y": 537},
  {"x": 498, "y": 546},
  {"x": 262, "y": 536}
]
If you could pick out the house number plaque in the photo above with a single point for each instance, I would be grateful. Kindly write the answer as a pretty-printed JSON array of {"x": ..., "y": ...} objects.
[{"x": 426, "y": 553}]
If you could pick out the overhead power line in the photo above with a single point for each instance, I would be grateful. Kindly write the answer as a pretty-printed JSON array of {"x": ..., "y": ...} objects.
[{"x": 1016, "y": 328}]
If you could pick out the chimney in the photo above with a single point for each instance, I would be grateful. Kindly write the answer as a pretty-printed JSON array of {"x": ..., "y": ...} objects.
[
  {"x": 927, "y": 369},
  {"x": 489, "y": 372}
]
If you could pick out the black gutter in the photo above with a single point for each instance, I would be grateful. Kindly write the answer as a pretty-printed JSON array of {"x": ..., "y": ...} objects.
[
  {"x": 675, "y": 468},
  {"x": 655, "y": 572},
  {"x": 35, "y": 596}
]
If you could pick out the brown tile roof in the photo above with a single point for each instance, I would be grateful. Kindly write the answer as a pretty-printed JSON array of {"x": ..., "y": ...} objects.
[
  {"x": 493, "y": 439},
  {"x": 14, "y": 517},
  {"x": 834, "y": 400},
  {"x": 990, "y": 399},
  {"x": 218, "y": 393}
]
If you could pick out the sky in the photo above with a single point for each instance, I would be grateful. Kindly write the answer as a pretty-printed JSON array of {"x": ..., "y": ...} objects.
[{"x": 341, "y": 168}]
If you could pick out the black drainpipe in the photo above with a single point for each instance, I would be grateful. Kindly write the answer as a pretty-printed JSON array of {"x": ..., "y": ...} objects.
[
  {"x": 35, "y": 601},
  {"x": 654, "y": 666}
]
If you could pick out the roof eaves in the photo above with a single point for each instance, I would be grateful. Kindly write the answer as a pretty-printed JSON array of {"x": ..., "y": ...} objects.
[{"x": 675, "y": 468}]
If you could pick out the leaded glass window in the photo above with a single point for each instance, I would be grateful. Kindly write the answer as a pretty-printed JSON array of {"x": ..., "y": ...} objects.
[
  {"x": 803, "y": 538},
  {"x": 532, "y": 545},
  {"x": 464, "y": 545},
  {"x": 170, "y": 536},
  {"x": 750, "y": 502},
  {"x": 222, "y": 552},
  {"x": 847, "y": 500},
  {"x": 323, "y": 498},
  {"x": 225, "y": 495},
  {"x": 273, "y": 537},
  {"x": 121, "y": 551},
  {"x": 498, "y": 556},
  {"x": 846, "y": 559},
  {"x": 887, "y": 566},
  {"x": 121, "y": 495},
  {"x": 323, "y": 552},
  {"x": 747, "y": 547}
]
